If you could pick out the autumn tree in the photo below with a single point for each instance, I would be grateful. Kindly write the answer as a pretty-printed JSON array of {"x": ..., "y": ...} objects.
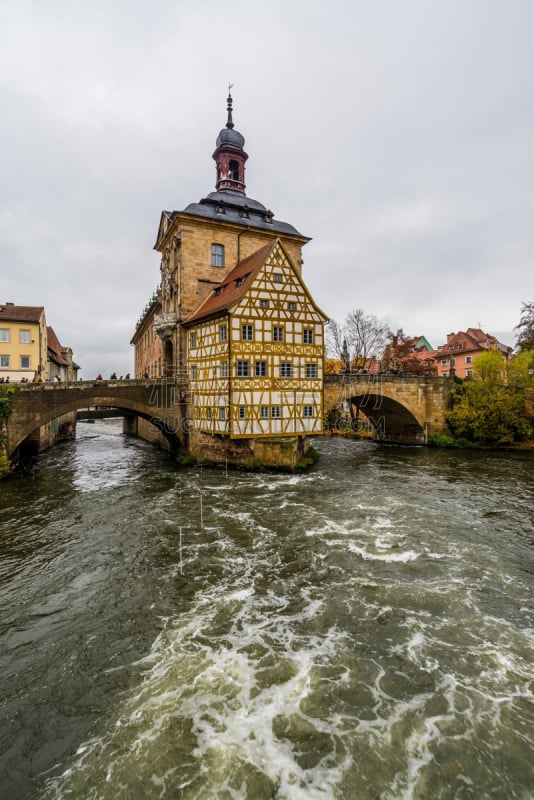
[
  {"x": 358, "y": 340},
  {"x": 525, "y": 329},
  {"x": 486, "y": 408},
  {"x": 400, "y": 354}
]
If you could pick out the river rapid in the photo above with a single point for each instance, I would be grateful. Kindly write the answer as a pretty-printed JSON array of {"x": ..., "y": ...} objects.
[{"x": 362, "y": 631}]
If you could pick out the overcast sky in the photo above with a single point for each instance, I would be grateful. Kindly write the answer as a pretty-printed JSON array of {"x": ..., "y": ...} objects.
[{"x": 399, "y": 135}]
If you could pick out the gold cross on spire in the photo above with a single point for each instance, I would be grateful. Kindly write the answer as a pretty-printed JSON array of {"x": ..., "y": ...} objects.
[{"x": 230, "y": 87}]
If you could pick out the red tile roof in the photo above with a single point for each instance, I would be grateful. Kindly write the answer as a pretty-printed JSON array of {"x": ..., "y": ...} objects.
[
  {"x": 233, "y": 286},
  {"x": 12, "y": 313}
]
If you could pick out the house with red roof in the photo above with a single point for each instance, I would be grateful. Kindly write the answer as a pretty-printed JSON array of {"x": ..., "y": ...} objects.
[{"x": 457, "y": 355}]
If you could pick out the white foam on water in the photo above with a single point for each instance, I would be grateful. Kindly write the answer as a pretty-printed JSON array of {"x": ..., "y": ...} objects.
[{"x": 392, "y": 557}]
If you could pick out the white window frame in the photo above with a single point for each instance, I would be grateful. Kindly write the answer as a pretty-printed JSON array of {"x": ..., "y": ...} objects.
[
  {"x": 247, "y": 333},
  {"x": 286, "y": 369},
  {"x": 311, "y": 370},
  {"x": 25, "y": 336},
  {"x": 275, "y": 412},
  {"x": 4, "y": 362},
  {"x": 307, "y": 335},
  {"x": 308, "y": 412},
  {"x": 264, "y": 412},
  {"x": 243, "y": 369},
  {"x": 260, "y": 369},
  {"x": 5, "y": 335},
  {"x": 223, "y": 333},
  {"x": 22, "y": 364},
  {"x": 278, "y": 333},
  {"x": 217, "y": 255}
]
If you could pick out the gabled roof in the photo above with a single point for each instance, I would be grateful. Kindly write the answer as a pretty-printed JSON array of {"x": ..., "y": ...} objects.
[
  {"x": 55, "y": 347},
  {"x": 233, "y": 286},
  {"x": 12, "y": 313}
]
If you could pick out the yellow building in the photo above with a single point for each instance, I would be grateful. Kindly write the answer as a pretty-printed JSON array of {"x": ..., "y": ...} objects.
[
  {"x": 255, "y": 352},
  {"x": 202, "y": 243},
  {"x": 23, "y": 343},
  {"x": 29, "y": 349},
  {"x": 227, "y": 262}
]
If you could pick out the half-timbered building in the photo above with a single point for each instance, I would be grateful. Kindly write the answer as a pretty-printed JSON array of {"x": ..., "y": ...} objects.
[{"x": 255, "y": 352}]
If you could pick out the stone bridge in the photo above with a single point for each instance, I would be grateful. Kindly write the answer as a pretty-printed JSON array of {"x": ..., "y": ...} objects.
[
  {"x": 35, "y": 405},
  {"x": 401, "y": 409}
]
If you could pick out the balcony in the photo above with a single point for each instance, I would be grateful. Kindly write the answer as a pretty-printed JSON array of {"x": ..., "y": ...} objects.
[{"x": 165, "y": 324}]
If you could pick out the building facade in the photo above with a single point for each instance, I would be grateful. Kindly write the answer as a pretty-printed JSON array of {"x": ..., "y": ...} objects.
[
  {"x": 255, "y": 352},
  {"x": 455, "y": 358},
  {"x": 23, "y": 343},
  {"x": 205, "y": 249}
]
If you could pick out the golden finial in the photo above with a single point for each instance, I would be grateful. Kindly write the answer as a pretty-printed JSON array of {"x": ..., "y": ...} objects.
[{"x": 230, "y": 87}]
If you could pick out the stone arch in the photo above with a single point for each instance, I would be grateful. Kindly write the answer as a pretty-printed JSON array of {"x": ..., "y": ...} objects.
[
  {"x": 33, "y": 408},
  {"x": 391, "y": 420}
]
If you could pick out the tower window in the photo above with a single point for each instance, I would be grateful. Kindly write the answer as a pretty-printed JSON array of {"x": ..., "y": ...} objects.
[
  {"x": 233, "y": 170},
  {"x": 217, "y": 255}
]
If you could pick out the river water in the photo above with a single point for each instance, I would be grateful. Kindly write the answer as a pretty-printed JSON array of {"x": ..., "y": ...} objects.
[{"x": 362, "y": 631}]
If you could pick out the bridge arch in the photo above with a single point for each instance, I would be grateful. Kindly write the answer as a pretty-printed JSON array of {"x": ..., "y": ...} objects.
[
  {"x": 390, "y": 420},
  {"x": 34, "y": 406},
  {"x": 401, "y": 409}
]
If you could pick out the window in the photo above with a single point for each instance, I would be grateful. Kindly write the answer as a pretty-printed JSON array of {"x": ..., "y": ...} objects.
[
  {"x": 247, "y": 333},
  {"x": 222, "y": 413},
  {"x": 208, "y": 413},
  {"x": 468, "y": 372},
  {"x": 275, "y": 412},
  {"x": 222, "y": 333},
  {"x": 308, "y": 335},
  {"x": 277, "y": 277},
  {"x": 468, "y": 359},
  {"x": 24, "y": 362},
  {"x": 223, "y": 369},
  {"x": 217, "y": 255},
  {"x": 444, "y": 362},
  {"x": 264, "y": 304},
  {"x": 4, "y": 361},
  {"x": 4, "y": 334},
  {"x": 194, "y": 372},
  {"x": 444, "y": 374},
  {"x": 233, "y": 170},
  {"x": 261, "y": 369},
  {"x": 308, "y": 411},
  {"x": 286, "y": 369},
  {"x": 24, "y": 336},
  {"x": 264, "y": 413},
  {"x": 291, "y": 306},
  {"x": 242, "y": 412},
  {"x": 242, "y": 369},
  {"x": 278, "y": 333},
  {"x": 311, "y": 370},
  {"x": 192, "y": 340}
]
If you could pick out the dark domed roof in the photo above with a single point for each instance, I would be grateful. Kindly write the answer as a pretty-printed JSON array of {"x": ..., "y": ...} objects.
[{"x": 231, "y": 137}]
